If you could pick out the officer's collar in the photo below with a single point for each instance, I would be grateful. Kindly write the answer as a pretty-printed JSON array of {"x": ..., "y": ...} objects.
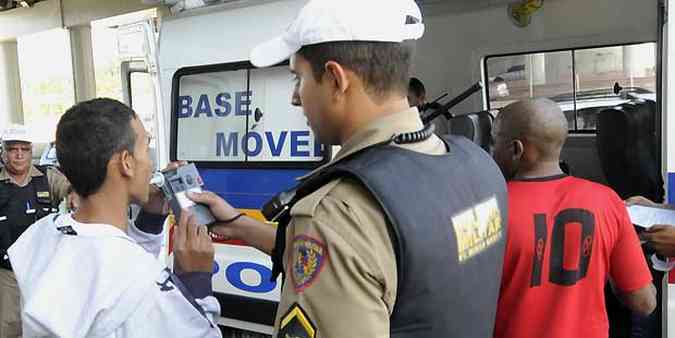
[
  {"x": 34, "y": 172},
  {"x": 4, "y": 175},
  {"x": 377, "y": 131}
]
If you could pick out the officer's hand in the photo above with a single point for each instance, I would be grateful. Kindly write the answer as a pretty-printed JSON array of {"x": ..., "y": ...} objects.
[
  {"x": 639, "y": 200},
  {"x": 661, "y": 238},
  {"x": 157, "y": 204},
  {"x": 193, "y": 250},
  {"x": 220, "y": 209}
]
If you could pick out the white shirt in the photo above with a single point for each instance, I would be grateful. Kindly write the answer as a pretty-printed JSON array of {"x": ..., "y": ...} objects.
[{"x": 93, "y": 280}]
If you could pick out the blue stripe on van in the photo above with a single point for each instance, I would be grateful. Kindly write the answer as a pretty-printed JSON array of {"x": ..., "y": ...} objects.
[
  {"x": 249, "y": 188},
  {"x": 671, "y": 188}
]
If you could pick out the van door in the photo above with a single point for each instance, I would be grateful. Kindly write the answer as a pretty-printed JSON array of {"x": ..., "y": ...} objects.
[{"x": 140, "y": 81}]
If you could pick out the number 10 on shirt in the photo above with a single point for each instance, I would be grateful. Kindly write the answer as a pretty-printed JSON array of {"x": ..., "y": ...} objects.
[{"x": 557, "y": 272}]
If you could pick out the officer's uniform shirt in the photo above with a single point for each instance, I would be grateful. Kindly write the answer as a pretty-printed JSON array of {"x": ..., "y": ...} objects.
[
  {"x": 340, "y": 266},
  {"x": 58, "y": 183}
]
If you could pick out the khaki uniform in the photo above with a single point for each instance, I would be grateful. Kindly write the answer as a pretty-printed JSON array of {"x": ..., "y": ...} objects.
[
  {"x": 340, "y": 266},
  {"x": 58, "y": 184},
  {"x": 10, "y": 308}
]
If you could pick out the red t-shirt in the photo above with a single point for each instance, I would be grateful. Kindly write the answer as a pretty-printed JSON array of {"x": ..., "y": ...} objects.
[{"x": 566, "y": 237}]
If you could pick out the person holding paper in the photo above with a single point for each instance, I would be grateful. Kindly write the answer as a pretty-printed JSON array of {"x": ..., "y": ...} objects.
[
  {"x": 566, "y": 236},
  {"x": 660, "y": 237}
]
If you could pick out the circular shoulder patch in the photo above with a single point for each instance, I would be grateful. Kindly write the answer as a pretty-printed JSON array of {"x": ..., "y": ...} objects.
[{"x": 308, "y": 258}]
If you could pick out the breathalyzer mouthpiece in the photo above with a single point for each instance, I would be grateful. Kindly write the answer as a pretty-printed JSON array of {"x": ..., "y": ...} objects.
[{"x": 157, "y": 179}]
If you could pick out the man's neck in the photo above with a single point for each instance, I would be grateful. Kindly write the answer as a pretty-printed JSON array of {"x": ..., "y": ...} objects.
[
  {"x": 542, "y": 169},
  {"x": 365, "y": 111},
  {"x": 19, "y": 179},
  {"x": 100, "y": 208}
]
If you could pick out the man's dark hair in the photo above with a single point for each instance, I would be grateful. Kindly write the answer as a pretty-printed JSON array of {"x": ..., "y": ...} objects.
[
  {"x": 87, "y": 137},
  {"x": 416, "y": 87},
  {"x": 384, "y": 67}
]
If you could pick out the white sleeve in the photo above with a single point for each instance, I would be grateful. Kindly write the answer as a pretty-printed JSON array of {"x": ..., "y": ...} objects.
[
  {"x": 167, "y": 312},
  {"x": 152, "y": 243}
]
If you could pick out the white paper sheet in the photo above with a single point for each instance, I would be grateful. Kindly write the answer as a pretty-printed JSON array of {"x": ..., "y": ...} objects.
[{"x": 647, "y": 217}]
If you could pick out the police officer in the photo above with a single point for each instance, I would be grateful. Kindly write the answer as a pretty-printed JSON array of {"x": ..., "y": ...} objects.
[
  {"x": 417, "y": 97},
  {"x": 402, "y": 233},
  {"x": 417, "y": 94},
  {"x": 27, "y": 193}
]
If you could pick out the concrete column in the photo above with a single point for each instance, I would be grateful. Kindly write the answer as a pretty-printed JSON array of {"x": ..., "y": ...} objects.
[
  {"x": 559, "y": 68},
  {"x": 631, "y": 62},
  {"x": 11, "y": 104},
  {"x": 638, "y": 60},
  {"x": 535, "y": 68},
  {"x": 83, "y": 63},
  {"x": 539, "y": 69}
]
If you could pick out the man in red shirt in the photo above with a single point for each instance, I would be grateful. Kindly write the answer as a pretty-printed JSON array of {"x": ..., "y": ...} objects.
[{"x": 566, "y": 236}]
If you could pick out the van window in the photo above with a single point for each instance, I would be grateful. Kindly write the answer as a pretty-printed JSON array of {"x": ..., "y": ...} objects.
[
  {"x": 582, "y": 81},
  {"x": 235, "y": 114}
]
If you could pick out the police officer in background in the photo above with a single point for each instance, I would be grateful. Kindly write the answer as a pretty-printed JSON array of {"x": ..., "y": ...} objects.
[
  {"x": 417, "y": 93},
  {"x": 417, "y": 97},
  {"x": 27, "y": 193},
  {"x": 402, "y": 233}
]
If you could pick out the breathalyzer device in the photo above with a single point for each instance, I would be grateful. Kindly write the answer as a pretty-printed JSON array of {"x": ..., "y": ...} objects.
[{"x": 175, "y": 184}]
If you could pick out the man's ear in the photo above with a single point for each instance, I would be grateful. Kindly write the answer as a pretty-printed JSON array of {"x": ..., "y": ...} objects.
[
  {"x": 127, "y": 164},
  {"x": 337, "y": 77},
  {"x": 518, "y": 149}
]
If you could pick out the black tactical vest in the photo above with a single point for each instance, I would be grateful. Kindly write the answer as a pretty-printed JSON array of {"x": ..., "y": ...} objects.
[
  {"x": 20, "y": 207},
  {"x": 447, "y": 219}
]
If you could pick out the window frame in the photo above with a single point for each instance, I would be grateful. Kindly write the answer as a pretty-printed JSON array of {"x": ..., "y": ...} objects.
[
  {"x": 573, "y": 50},
  {"x": 227, "y": 67}
]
